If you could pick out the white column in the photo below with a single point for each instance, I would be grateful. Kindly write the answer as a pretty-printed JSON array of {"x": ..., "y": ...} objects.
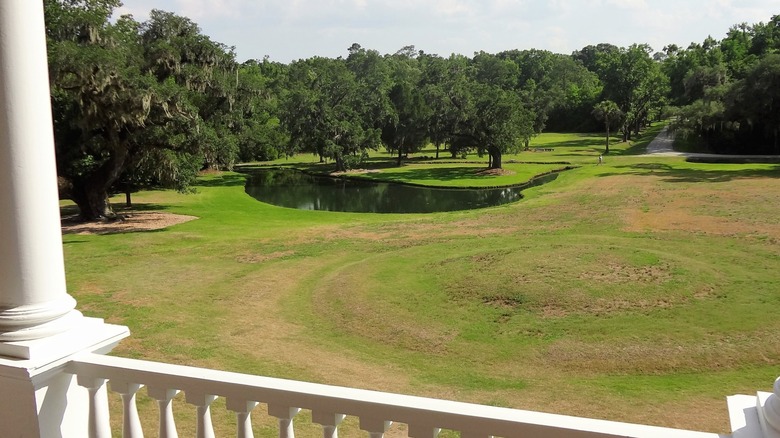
[
  {"x": 33, "y": 300},
  {"x": 39, "y": 328}
]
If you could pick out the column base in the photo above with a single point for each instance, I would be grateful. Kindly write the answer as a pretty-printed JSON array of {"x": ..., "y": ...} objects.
[
  {"x": 28, "y": 322},
  {"x": 85, "y": 334}
]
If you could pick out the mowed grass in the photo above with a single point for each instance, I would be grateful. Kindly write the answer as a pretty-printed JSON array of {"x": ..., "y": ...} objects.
[{"x": 642, "y": 290}]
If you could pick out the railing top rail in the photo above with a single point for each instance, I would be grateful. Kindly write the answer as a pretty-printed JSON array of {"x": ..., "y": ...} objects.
[{"x": 362, "y": 403}]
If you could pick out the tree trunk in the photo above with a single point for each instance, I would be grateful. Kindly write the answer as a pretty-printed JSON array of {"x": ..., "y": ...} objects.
[
  {"x": 340, "y": 163},
  {"x": 128, "y": 194},
  {"x": 606, "y": 151},
  {"x": 495, "y": 157},
  {"x": 399, "y": 156},
  {"x": 437, "y": 150},
  {"x": 91, "y": 193},
  {"x": 92, "y": 202}
]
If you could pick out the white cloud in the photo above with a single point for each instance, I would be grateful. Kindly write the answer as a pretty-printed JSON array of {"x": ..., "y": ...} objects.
[
  {"x": 558, "y": 39},
  {"x": 629, "y": 4},
  {"x": 291, "y": 29},
  {"x": 198, "y": 10},
  {"x": 452, "y": 7}
]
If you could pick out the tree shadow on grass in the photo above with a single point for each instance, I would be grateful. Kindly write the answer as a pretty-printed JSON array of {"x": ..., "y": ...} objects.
[
  {"x": 594, "y": 153},
  {"x": 638, "y": 148},
  {"x": 592, "y": 145},
  {"x": 68, "y": 210},
  {"x": 100, "y": 231},
  {"x": 437, "y": 173},
  {"x": 373, "y": 163},
  {"x": 139, "y": 206},
  {"x": 672, "y": 174},
  {"x": 70, "y": 213},
  {"x": 73, "y": 242},
  {"x": 224, "y": 180},
  {"x": 594, "y": 142}
]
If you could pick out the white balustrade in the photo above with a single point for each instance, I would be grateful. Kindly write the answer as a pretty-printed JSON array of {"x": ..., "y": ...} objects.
[{"x": 329, "y": 405}]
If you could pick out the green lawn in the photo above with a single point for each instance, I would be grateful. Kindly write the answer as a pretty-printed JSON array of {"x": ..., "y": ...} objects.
[
  {"x": 644, "y": 290},
  {"x": 462, "y": 175},
  {"x": 566, "y": 147}
]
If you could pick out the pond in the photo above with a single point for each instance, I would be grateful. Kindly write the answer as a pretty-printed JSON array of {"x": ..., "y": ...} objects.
[{"x": 295, "y": 189}]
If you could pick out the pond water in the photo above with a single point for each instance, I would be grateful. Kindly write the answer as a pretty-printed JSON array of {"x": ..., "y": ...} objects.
[{"x": 295, "y": 189}]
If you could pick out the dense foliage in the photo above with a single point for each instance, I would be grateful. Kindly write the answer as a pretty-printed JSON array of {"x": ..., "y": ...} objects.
[
  {"x": 728, "y": 92},
  {"x": 145, "y": 102},
  {"x": 152, "y": 103}
]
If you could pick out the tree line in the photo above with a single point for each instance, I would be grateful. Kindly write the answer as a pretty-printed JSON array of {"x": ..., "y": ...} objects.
[
  {"x": 141, "y": 104},
  {"x": 727, "y": 93}
]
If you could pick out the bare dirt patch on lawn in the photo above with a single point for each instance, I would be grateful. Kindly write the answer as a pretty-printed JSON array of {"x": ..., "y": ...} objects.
[
  {"x": 737, "y": 207},
  {"x": 495, "y": 172},
  {"x": 130, "y": 222}
]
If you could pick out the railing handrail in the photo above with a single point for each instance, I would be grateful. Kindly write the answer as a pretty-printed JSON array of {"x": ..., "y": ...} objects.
[{"x": 412, "y": 410}]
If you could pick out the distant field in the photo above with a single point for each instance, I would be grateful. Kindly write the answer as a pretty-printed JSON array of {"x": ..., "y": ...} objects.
[
  {"x": 570, "y": 147},
  {"x": 642, "y": 290},
  {"x": 462, "y": 175}
]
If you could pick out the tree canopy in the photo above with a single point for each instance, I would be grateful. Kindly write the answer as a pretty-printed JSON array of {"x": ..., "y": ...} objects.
[
  {"x": 128, "y": 97},
  {"x": 727, "y": 91},
  {"x": 140, "y": 104}
]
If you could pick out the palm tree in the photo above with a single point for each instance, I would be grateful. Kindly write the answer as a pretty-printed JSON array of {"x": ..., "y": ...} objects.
[{"x": 607, "y": 111}]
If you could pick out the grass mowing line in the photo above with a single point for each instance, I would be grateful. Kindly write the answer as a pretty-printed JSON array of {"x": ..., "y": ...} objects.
[
  {"x": 428, "y": 369},
  {"x": 337, "y": 315},
  {"x": 249, "y": 262}
]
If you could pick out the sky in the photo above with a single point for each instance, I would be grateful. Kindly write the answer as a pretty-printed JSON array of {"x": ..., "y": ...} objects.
[{"x": 287, "y": 30}]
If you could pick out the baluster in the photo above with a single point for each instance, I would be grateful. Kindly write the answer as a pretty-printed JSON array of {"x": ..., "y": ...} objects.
[
  {"x": 131, "y": 424},
  {"x": 242, "y": 408},
  {"x": 375, "y": 428},
  {"x": 203, "y": 404},
  {"x": 423, "y": 431},
  {"x": 99, "y": 422},
  {"x": 285, "y": 415},
  {"x": 329, "y": 422},
  {"x": 164, "y": 399},
  {"x": 771, "y": 410}
]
